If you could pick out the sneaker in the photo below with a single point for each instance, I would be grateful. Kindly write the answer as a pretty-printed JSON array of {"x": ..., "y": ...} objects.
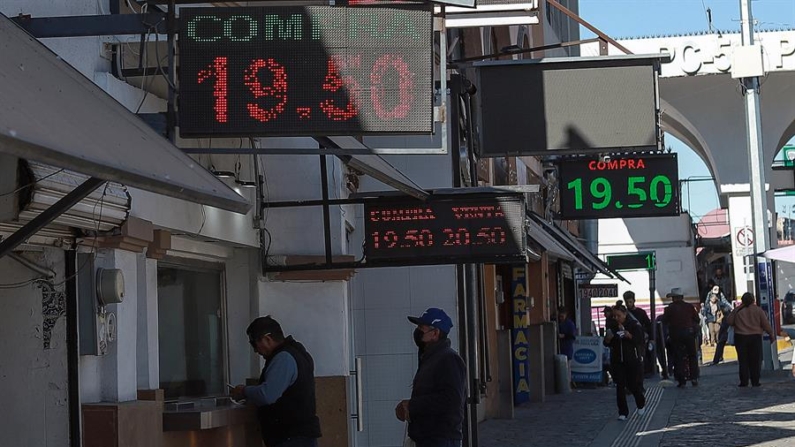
[
  {"x": 694, "y": 382},
  {"x": 622, "y": 418},
  {"x": 641, "y": 411},
  {"x": 681, "y": 385}
]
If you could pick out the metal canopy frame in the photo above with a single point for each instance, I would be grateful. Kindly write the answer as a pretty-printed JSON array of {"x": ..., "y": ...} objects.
[
  {"x": 50, "y": 214},
  {"x": 382, "y": 196},
  {"x": 167, "y": 23},
  {"x": 576, "y": 247}
]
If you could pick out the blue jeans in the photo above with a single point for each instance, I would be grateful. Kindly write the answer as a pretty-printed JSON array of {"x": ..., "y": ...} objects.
[
  {"x": 440, "y": 443},
  {"x": 300, "y": 441}
]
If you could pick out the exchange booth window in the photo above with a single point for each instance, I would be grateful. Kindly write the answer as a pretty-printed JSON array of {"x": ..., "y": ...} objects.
[{"x": 190, "y": 332}]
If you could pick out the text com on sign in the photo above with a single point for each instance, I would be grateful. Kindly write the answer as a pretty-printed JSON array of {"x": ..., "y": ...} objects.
[{"x": 315, "y": 70}]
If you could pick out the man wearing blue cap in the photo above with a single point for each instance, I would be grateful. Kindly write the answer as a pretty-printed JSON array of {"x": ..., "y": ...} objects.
[{"x": 435, "y": 412}]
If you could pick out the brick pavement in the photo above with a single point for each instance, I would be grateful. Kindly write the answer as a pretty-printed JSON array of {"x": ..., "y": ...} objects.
[
  {"x": 564, "y": 419},
  {"x": 716, "y": 413},
  {"x": 720, "y": 413}
]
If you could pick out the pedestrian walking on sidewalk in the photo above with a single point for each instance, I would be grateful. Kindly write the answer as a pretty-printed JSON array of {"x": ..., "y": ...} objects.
[
  {"x": 567, "y": 333},
  {"x": 723, "y": 331},
  {"x": 624, "y": 337},
  {"x": 435, "y": 412},
  {"x": 645, "y": 323},
  {"x": 712, "y": 312},
  {"x": 749, "y": 322},
  {"x": 683, "y": 326}
]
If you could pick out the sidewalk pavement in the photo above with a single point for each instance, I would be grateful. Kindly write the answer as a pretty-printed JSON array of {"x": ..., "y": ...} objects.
[{"x": 716, "y": 412}]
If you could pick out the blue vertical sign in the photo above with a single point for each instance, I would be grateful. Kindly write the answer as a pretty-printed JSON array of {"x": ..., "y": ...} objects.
[
  {"x": 765, "y": 293},
  {"x": 519, "y": 335}
]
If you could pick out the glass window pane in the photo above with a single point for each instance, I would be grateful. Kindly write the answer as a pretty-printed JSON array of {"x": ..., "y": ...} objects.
[{"x": 190, "y": 335}]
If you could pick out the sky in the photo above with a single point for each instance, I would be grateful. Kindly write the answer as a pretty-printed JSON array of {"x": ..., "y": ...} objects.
[{"x": 639, "y": 18}]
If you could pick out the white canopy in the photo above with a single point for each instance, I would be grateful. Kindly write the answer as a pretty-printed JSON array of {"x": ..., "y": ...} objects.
[{"x": 786, "y": 254}]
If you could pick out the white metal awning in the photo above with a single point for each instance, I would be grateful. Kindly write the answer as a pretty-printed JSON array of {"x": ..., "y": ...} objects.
[
  {"x": 582, "y": 254},
  {"x": 547, "y": 242},
  {"x": 376, "y": 167},
  {"x": 53, "y": 114}
]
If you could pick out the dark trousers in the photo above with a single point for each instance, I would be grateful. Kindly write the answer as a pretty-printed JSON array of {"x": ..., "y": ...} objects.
[
  {"x": 440, "y": 443},
  {"x": 683, "y": 343},
  {"x": 749, "y": 357},
  {"x": 299, "y": 441},
  {"x": 625, "y": 375},
  {"x": 723, "y": 336}
]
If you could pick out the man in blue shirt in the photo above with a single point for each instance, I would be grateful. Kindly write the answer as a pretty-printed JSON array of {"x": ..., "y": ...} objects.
[{"x": 285, "y": 396}]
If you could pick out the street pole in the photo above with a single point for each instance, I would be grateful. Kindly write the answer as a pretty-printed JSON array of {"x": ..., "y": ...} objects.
[
  {"x": 653, "y": 315},
  {"x": 757, "y": 174}
]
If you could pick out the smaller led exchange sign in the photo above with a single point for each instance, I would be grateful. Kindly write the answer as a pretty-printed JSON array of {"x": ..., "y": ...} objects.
[
  {"x": 313, "y": 70},
  {"x": 449, "y": 230},
  {"x": 623, "y": 186}
]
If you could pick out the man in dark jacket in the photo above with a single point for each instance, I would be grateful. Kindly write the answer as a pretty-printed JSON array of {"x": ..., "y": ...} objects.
[
  {"x": 624, "y": 337},
  {"x": 645, "y": 323},
  {"x": 435, "y": 412},
  {"x": 285, "y": 396},
  {"x": 683, "y": 327}
]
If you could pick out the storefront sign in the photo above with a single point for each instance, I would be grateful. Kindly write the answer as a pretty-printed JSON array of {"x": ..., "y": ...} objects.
[
  {"x": 519, "y": 337},
  {"x": 586, "y": 364},
  {"x": 766, "y": 292},
  {"x": 598, "y": 290},
  {"x": 454, "y": 229},
  {"x": 623, "y": 186},
  {"x": 644, "y": 260},
  {"x": 314, "y": 70}
]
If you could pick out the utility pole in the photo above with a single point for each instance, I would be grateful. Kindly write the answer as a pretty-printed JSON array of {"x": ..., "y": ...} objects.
[{"x": 762, "y": 277}]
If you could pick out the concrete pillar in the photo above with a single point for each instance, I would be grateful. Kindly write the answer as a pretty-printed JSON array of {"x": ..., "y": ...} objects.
[
  {"x": 537, "y": 368},
  {"x": 147, "y": 351},
  {"x": 117, "y": 369}
]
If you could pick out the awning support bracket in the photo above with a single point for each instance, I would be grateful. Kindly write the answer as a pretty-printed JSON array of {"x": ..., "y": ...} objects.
[{"x": 49, "y": 215}]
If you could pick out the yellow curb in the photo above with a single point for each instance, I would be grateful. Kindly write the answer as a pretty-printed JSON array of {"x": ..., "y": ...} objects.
[{"x": 729, "y": 353}]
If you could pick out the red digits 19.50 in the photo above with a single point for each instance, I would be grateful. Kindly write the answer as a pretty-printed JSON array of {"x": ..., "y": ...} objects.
[{"x": 272, "y": 97}]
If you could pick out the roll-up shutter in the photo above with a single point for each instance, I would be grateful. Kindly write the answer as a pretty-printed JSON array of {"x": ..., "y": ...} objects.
[{"x": 103, "y": 210}]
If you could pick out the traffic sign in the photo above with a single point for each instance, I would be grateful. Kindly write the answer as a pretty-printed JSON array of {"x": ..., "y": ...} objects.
[{"x": 744, "y": 241}]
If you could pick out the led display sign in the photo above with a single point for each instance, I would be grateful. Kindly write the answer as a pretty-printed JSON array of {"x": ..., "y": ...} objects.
[
  {"x": 448, "y": 230},
  {"x": 623, "y": 186},
  {"x": 645, "y": 260},
  {"x": 314, "y": 70}
]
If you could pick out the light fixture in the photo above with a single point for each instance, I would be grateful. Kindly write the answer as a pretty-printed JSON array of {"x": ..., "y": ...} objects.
[
  {"x": 246, "y": 184},
  {"x": 222, "y": 174}
]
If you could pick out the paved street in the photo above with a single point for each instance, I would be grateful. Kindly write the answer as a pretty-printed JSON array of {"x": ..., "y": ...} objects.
[{"x": 716, "y": 412}]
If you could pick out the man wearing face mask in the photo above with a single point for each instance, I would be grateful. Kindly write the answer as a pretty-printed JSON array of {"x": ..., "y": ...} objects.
[{"x": 435, "y": 412}]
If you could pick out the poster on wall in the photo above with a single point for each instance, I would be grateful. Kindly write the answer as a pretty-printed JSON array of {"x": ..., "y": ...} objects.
[{"x": 586, "y": 364}]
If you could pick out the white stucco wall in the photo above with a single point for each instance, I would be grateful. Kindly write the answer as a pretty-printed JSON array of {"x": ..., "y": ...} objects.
[
  {"x": 33, "y": 378},
  {"x": 671, "y": 240},
  {"x": 113, "y": 377},
  {"x": 382, "y": 298},
  {"x": 316, "y": 314}
]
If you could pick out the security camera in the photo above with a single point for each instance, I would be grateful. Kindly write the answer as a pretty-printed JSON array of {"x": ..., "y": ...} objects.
[{"x": 605, "y": 158}]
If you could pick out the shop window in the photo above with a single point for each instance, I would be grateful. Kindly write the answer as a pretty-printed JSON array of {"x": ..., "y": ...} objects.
[{"x": 190, "y": 332}]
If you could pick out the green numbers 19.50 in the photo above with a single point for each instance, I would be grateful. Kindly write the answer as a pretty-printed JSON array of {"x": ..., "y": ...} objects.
[{"x": 659, "y": 191}]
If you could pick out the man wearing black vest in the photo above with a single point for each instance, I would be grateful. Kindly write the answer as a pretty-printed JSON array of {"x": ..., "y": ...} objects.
[
  {"x": 435, "y": 412},
  {"x": 285, "y": 396}
]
